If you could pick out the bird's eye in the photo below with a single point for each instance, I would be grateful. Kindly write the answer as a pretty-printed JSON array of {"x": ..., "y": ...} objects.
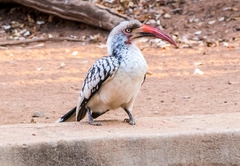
[{"x": 128, "y": 30}]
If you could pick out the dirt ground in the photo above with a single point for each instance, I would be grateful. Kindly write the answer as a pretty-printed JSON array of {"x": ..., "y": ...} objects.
[
  {"x": 46, "y": 77},
  {"x": 33, "y": 81}
]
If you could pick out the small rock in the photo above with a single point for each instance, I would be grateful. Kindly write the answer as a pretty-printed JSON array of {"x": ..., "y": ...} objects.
[
  {"x": 221, "y": 19},
  {"x": 191, "y": 19},
  {"x": 198, "y": 32},
  {"x": 50, "y": 36},
  {"x": 6, "y": 27},
  {"x": 167, "y": 16},
  {"x": 74, "y": 53},
  {"x": 231, "y": 8},
  {"x": 23, "y": 31},
  {"x": 72, "y": 36},
  {"x": 211, "y": 22},
  {"x": 186, "y": 97},
  {"x": 38, "y": 114},
  {"x": 62, "y": 65},
  {"x": 196, "y": 20},
  {"x": 130, "y": 4},
  {"x": 198, "y": 71},
  {"x": 157, "y": 16},
  {"x": 152, "y": 22},
  {"x": 15, "y": 38},
  {"x": 39, "y": 69},
  {"x": 27, "y": 33},
  {"x": 40, "y": 22},
  {"x": 225, "y": 44},
  {"x": 197, "y": 63}
]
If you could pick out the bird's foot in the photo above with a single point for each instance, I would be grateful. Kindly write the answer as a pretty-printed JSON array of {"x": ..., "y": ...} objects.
[
  {"x": 91, "y": 121},
  {"x": 95, "y": 123},
  {"x": 130, "y": 121}
]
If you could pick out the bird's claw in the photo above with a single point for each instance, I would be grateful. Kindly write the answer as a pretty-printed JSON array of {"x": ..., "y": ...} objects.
[
  {"x": 95, "y": 123},
  {"x": 130, "y": 121}
]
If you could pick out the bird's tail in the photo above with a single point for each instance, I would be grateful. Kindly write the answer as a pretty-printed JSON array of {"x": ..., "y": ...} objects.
[
  {"x": 68, "y": 117},
  {"x": 71, "y": 115},
  {"x": 81, "y": 113}
]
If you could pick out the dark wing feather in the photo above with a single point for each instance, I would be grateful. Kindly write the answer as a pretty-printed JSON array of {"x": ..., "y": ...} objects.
[
  {"x": 101, "y": 71},
  {"x": 70, "y": 116}
]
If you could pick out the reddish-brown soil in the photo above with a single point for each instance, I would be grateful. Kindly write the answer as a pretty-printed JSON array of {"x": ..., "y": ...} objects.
[{"x": 31, "y": 81}]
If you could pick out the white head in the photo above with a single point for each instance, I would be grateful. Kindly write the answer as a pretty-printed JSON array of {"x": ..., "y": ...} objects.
[{"x": 127, "y": 31}]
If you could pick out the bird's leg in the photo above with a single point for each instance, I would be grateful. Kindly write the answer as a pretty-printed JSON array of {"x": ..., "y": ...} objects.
[
  {"x": 90, "y": 119},
  {"x": 131, "y": 119}
]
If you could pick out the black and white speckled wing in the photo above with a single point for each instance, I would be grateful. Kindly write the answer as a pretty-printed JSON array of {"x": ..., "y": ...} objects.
[{"x": 101, "y": 71}]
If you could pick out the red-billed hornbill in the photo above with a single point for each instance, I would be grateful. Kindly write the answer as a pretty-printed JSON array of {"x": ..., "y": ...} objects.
[{"x": 115, "y": 80}]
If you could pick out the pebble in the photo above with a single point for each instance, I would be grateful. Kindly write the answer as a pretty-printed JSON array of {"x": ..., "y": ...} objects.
[
  {"x": 74, "y": 53},
  {"x": 197, "y": 63},
  {"x": 166, "y": 16},
  {"x": 27, "y": 33},
  {"x": 225, "y": 44},
  {"x": 40, "y": 22},
  {"x": 38, "y": 114},
  {"x": 186, "y": 97},
  {"x": 39, "y": 69},
  {"x": 62, "y": 65},
  {"x": 221, "y": 19},
  {"x": 211, "y": 22},
  {"x": 6, "y": 27},
  {"x": 198, "y": 32},
  {"x": 198, "y": 71}
]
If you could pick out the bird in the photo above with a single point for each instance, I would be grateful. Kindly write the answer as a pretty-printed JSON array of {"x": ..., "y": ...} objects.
[{"x": 114, "y": 81}]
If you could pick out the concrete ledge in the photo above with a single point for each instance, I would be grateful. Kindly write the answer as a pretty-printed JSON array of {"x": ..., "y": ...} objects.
[{"x": 188, "y": 140}]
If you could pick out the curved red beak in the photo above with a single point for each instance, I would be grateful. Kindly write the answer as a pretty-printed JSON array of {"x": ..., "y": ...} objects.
[{"x": 147, "y": 30}]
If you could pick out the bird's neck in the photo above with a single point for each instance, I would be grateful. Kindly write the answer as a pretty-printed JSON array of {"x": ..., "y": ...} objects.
[{"x": 119, "y": 44}]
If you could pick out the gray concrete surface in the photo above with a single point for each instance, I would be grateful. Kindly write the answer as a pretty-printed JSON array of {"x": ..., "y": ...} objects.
[{"x": 181, "y": 140}]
